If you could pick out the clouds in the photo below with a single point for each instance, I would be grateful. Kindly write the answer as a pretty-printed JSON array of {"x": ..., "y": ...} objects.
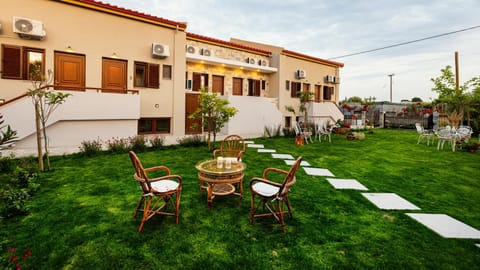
[{"x": 326, "y": 29}]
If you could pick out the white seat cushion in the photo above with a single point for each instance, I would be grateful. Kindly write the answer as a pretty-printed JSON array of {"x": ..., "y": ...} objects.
[
  {"x": 164, "y": 185},
  {"x": 264, "y": 189}
]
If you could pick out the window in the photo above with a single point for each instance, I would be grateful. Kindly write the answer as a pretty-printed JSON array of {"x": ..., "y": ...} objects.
[
  {"x": 288, "y": 121},
  {"x": 15, "y": 57},
  {"x": 253, "y": 87},
  {"x": 295, "y": 89},
  {"x": 327, "y": 93},
  {"x": 146, "y": 75},
  {"x": 200, "y": 80},
  {"x": 263, "y": 84},
  {"x": 318, "y": 93},
  {"x": 153, "y": 125},
  {"x": 167, "y": 72},
  {"x": 287, "y": 85}
]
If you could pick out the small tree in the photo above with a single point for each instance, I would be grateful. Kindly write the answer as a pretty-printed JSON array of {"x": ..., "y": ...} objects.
[
  {"x": 45, "y": 103},
  {"x": 304, "y": 98},
  {"x": 213, "y": 112}
]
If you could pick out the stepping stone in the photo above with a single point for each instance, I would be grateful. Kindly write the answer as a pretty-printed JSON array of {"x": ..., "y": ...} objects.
[
  {"x": 263, "y": 150},
  {"x": 318, "y": 172},
  {"x": 478, "y": 245},
  {"x": 446, "y": 226},
  {"x": 389, "y": 201},
  {"x": 251, "y": 145},
  {"x": 248, "y": 142},
  {"x": 283, "y": 156},
  {"x": 291, "y": 161},
  {"x": 346, "y": 184}
]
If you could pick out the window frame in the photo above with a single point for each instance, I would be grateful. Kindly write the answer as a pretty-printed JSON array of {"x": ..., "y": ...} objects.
[
  {"x": 154, "y": 125},
  {"x": 20, "y": 62},
  {"x": 167, "y": 72},
  {"x": 151, "y": 76}
]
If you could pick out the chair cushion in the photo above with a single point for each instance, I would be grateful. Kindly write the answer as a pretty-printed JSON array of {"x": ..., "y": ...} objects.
[
  {"x": 164, "y": 185},
  {"x": 264, "y": 189}
]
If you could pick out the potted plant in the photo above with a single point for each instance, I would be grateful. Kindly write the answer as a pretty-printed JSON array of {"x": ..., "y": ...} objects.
[{"x": 341, "y": 127}]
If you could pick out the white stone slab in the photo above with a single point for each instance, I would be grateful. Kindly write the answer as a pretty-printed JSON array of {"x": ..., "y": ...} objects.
[
  {"x": 283, "y": 156},
  {"x": 302, "y": 163},
  {"x": 478, "y": 245},
  {"x": 390, "y": 201},
  {"x": 318, "y": 171},
  {"x": 346, "y": 184},
  {"x": 247, "y": 142},
  {"x": 251, "y": 145},
  {"x": 264, "y": 150},
  {"x": 446, "y": 226}
]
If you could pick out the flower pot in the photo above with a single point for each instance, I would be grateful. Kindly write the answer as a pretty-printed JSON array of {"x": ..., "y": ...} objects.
[{"x": 341, "y": 130}]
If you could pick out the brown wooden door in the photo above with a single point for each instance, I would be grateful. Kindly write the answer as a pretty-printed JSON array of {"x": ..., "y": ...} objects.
[
  {"x": 217, "y": 84},
  {"x": 237, "y": 87},
  {"x": 318, "y": 93},
  {"x": 69, "y": 70},
  {"x": 114, "y": 74},
  {"x": 192, "y": 102},
  {"x": 200, "y": 80}
]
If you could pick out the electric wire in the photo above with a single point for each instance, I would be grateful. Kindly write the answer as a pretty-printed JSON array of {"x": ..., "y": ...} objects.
[{"x": 407, "y": 42}]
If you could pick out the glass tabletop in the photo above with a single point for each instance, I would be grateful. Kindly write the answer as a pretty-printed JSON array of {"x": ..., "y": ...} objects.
[{"x": 210, "y": 167}]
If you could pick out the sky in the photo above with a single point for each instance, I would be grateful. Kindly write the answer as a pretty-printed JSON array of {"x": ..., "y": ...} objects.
[{"x": 328, "y": 29}]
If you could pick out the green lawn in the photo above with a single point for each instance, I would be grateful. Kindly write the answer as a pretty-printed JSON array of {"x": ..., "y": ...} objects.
[{"x": 82, "y": 216}]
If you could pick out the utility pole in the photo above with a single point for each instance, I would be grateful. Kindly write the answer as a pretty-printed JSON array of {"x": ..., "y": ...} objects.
[{"x": 391, "y": 76}]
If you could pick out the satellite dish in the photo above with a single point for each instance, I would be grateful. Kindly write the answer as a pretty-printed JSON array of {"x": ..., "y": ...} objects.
[{"x": 24, "y": 26}]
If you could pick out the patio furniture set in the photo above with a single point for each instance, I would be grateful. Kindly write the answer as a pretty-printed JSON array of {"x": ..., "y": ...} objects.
[
  {"x": 220, "y": 176},
  {"x": 453, "y": 136}
]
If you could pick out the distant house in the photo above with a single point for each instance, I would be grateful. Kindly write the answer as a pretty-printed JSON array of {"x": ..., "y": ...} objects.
[{"x": 131, "y": 73}]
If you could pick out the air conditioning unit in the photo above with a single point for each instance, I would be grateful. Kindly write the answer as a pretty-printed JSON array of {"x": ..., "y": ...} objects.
[
  {"x": 262, "y": 63},
  {"x": 28, "y": 28},
  {"x": 160, "y": 50},
  {"x": 191, "y": 49},
  {"x": 205, "y": 52},
  {"x": 251, "y": 61},
  {"x": 328, "y": 79},
  {"x": 301, "y": 74},
  {"x": 336, "y": 80}
]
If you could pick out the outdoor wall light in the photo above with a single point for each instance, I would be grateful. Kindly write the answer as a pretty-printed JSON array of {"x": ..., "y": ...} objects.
[
  {"x": 114, "y": 55},
  {"x": 69, "y": 49}
]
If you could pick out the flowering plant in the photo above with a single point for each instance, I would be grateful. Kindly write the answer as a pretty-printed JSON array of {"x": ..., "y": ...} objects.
[{"x": 12, "y": 259}]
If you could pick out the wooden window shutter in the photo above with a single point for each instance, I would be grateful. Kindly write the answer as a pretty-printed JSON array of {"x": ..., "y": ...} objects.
[
  {"x": 11, "y": 62},
  {"x": 153, "y": 76}
]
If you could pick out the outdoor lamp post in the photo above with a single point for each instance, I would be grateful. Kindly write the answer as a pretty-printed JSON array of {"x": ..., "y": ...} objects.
[{"x": 391, "y": 76}]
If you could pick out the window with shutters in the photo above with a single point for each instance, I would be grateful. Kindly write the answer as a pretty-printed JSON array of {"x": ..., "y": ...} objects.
[
  {"x": 146, "y": 75},
  {"x": 153, "y": 125},
  {"x": 22, "y": 63},
  {"x": 295, "y": 89}
]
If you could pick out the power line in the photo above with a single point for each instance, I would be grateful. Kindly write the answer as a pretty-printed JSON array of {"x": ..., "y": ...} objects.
[{"x": 407, "y": 42}]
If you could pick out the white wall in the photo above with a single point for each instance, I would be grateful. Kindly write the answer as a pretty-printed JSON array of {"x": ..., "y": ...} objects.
[{"x": 254, "y": 114}]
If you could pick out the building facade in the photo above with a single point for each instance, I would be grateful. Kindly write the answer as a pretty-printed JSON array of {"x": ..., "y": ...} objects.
[{"x": 131, "y": 73}]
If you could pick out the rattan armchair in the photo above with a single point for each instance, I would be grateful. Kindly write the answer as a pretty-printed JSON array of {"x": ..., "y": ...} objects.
[
  {"x": 160, "y": 195},
  {"x": 231, "y": 146},
  {"x": 273, "y": 195}
]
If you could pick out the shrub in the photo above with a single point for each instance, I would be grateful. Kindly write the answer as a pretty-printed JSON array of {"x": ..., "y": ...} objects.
[
  {"x": 17, "y": 187},
  {"x": 90, "y": 148},
  {"x": 138, "y": 143},
  {"x": 194, "y": 140},
  {"x": 273, "y": 132},
  {"x": 157, "y": 142},
  {"x": 118, "y": 145},
  {"x": 288, "y": 132}
]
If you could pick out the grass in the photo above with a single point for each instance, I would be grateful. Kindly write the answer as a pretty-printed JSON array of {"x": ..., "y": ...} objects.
[{"x": 82, "y": 217}]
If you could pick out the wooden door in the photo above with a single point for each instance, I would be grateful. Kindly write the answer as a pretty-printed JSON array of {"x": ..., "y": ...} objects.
[
  {"x": 69, "y": 70},
  {"x": 192, "y": 102},
  {"x": 217, "y": 84},
  {"x": 237, "y": 87},
  {"x": 318, "y": 93},
  {"x": 114, "y": 74},
  {"x": 200, "y": 80}
]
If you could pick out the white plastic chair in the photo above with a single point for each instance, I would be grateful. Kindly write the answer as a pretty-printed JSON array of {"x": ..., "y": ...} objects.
[
  {"x": 424, "y": 134},
  {"x": 446, "y": 135}
]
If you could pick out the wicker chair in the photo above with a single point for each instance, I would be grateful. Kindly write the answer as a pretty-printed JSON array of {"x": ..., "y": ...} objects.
[
  {"x": 273, "y": 195},
  {"x": 231, "y": 146},
  {"x": 158, "y": 192}
]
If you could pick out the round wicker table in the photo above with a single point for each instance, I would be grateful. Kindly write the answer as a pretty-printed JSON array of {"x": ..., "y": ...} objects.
[{"x": 220, "y": 181}]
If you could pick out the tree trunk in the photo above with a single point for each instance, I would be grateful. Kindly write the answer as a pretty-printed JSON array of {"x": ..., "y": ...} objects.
[
  {"x": 47, "y": 156},
  {"x": 39, "y": 137}
]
